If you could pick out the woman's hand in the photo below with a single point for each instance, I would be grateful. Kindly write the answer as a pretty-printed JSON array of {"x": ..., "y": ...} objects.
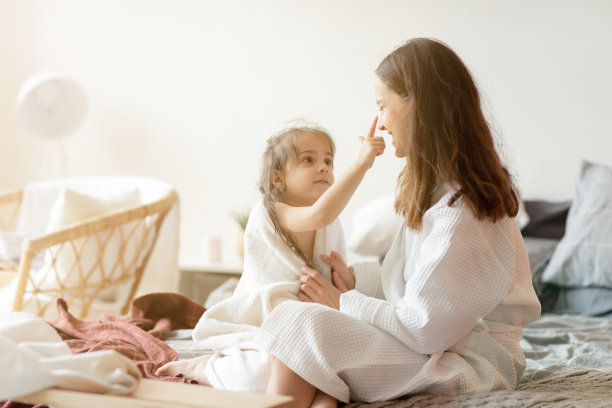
[
  {"x": 342, "y": 276},
  {"x": 315, "y": 288}
]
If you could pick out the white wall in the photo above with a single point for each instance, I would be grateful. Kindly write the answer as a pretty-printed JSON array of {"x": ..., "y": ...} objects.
[{"x": 189, "y": 91}]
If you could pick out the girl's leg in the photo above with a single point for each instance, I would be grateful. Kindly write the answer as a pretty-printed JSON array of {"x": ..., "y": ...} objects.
[
  {"x": 283, "y": 381},
  {"x": 193, "y": 369},
  {"x": 323, "y": 400}
]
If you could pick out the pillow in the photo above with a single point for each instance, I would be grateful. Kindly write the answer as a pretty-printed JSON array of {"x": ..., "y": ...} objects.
[
  {"x": 539, "y": 251},
  {"x": 72, "y": 207},
  {"x": 584, "y": 254},
  {"x": 583, "y": 301},
  {"x": 546, "y": 218},
  {"x": 374, "y": 227},
  {"x": 376, "y": 223},
  {"x": 522, "y": 217}
]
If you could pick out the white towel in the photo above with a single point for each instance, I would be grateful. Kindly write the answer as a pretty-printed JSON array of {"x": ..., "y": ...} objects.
[
  {"x": 34, "y": 357},
  {"x": 271, "y": 275}
]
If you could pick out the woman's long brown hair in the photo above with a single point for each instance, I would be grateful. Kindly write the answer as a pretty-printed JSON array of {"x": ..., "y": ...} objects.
[
  {"x": 281, "y": 152},
  {"x": 451, "y": 141}
]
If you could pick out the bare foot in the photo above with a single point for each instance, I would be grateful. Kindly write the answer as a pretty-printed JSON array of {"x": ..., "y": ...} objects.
[
  {"x": 323, "y": 400},
  {"x": 192, "y": 369}
]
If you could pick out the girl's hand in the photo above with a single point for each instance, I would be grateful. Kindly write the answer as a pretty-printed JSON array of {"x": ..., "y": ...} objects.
[
  {"x": 315, "y": 288},
  {"x": 342, "y": 276},
  {"x": 370, "y": 147}
]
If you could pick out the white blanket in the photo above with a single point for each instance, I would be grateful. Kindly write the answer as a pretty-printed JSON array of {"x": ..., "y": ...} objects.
[
  {"x": 271, "y": 276},
  {"x": 34, "y": 357}
]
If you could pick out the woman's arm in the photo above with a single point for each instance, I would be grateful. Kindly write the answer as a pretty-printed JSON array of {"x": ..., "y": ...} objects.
[
  {"x": 450, "y": 287},
  {"x": 329, "y": 206},
  {"x": 461, "y": 272}
]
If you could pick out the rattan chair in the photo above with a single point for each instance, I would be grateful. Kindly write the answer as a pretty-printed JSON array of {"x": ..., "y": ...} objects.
[{"x": 121, "y": 242}]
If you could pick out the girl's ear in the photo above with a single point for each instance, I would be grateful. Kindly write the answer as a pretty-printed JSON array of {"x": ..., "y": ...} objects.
[{"x": 278, "y": 179}]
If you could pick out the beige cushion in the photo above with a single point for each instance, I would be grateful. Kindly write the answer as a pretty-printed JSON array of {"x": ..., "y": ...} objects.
[{"x": 72, "y": 207}]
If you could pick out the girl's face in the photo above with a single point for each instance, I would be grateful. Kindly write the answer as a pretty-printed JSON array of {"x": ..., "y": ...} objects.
[
  {"x": 395, "y": 116},
  {"x": 311, "y": 174}
]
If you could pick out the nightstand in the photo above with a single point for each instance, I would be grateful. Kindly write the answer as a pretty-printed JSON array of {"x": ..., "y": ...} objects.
[{"x": 198, "y": 279}]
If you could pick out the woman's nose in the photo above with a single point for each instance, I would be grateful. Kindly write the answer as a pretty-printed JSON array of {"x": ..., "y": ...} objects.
[{"x": 380, "y": 125}]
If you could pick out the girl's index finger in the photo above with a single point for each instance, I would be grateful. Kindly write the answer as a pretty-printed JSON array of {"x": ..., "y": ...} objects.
[{"x": 373, "y": 127}]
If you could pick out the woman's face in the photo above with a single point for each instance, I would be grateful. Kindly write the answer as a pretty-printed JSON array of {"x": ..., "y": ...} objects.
[{"x": 395, "y": 116}]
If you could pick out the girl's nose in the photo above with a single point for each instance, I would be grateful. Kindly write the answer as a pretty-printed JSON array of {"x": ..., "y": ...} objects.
[{"x": 323, "y": 168}]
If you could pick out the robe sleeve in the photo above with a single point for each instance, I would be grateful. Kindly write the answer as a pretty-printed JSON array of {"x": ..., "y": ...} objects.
[{"x": 461, "y": 272}]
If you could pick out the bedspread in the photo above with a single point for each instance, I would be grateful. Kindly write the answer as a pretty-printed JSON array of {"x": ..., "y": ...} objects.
[{"x": 569, "y": 357}]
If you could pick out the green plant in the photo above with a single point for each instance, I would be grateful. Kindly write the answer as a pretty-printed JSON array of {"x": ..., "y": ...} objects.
[{"x": 241, "y": 217}]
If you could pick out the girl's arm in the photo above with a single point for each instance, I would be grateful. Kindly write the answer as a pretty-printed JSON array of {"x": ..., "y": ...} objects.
[{"x": 329, "y": 206}]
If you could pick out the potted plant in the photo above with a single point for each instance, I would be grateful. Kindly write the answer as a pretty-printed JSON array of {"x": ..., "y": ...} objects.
[{"x": 242, "y": 218}]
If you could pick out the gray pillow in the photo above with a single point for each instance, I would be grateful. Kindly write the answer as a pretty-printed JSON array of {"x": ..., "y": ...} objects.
[
  {"x": 539, "y": 251},
  {"x": 584, "y": 301},
  {"x": 584, "y": 254}
]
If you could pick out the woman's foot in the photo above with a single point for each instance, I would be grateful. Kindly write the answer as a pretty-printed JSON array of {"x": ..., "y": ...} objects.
[{"x": 192, "y": 369}]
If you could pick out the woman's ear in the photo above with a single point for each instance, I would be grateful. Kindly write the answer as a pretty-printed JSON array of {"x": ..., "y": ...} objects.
[{"x": 278, "y": 180}]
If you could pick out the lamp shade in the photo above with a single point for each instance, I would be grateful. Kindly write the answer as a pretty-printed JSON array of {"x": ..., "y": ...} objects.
[{"x": 51, "y": 106}]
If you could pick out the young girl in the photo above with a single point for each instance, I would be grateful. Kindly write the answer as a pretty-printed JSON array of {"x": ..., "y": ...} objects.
[{"x": 295, "y": 224}]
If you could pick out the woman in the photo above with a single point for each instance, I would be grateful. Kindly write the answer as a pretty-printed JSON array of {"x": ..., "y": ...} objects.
[{"x": 445, "y": 312}]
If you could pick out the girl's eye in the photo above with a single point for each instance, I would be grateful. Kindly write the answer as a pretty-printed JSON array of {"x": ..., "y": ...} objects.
[
  {"x": 330, "y": 163},
  {"x": 307, "y": 159}
]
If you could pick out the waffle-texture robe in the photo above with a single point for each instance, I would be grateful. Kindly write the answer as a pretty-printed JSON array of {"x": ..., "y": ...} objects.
[{"x": 443, "y": 315}]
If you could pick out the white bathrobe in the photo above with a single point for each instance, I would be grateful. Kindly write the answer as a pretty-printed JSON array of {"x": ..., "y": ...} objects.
[
  {"x": 270, "y": 276},
  {"x": 454, "y": 299}
]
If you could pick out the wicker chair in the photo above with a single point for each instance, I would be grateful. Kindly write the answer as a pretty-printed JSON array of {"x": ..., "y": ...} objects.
[{"x": 108, "y": 255}]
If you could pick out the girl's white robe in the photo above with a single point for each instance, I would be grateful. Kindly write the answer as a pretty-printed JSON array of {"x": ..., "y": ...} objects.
[
  {"x": 270, "y": 276},
  {"x": 448, "y": 319}
]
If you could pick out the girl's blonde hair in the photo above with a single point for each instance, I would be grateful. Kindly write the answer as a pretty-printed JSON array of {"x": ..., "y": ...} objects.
[{"x": 280, "y": 152}]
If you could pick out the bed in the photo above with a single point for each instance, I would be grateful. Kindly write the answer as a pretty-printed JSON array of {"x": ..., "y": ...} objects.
[{"x": 568, "y": 350}]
